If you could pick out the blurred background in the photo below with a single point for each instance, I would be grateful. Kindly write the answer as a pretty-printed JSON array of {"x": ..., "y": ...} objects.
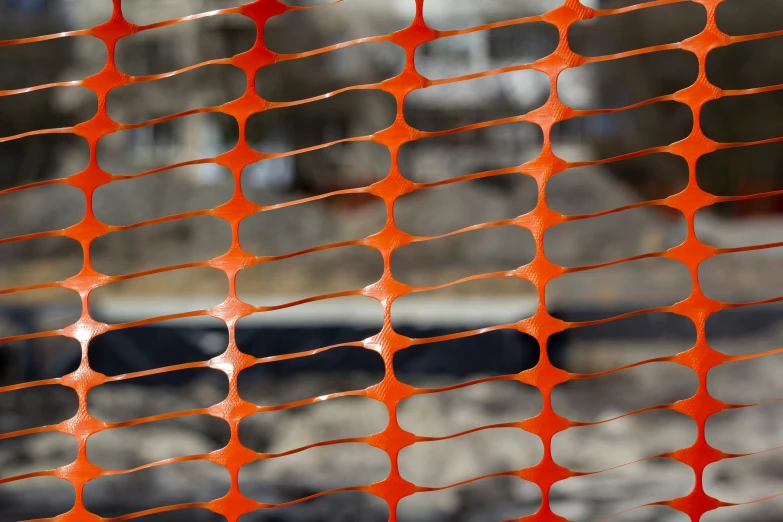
[{"x": 598, "y": 293}]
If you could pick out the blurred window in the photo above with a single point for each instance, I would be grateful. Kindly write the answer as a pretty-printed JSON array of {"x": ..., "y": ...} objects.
[
  {"x": 153, "y": 142},
  {"x": 30, "y": 6}
]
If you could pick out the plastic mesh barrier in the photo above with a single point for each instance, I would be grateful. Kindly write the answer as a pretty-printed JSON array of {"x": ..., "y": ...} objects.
[{"x": 544, "y": 376}]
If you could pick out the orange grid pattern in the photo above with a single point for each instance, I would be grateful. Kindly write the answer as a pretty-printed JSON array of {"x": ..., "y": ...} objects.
[{"x": 390, "y": 391}]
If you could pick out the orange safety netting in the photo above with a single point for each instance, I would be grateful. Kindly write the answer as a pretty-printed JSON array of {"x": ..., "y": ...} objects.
[{"x": 390, "y": 391}]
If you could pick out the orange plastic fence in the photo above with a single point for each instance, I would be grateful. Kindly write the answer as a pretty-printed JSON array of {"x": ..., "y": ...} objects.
[{"x": 544, "y": 376}]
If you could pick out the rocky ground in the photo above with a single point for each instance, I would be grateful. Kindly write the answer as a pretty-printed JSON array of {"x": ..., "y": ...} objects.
[
  {"x": 434, "y": 464},
  {"x": 431, "y": 464}
]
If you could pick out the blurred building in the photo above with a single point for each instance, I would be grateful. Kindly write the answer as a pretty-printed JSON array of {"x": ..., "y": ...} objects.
[
  {"x": 360, "y": 113},
  {"x": 357, "y": 113},
  {"x": 169, "y": 48}
]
